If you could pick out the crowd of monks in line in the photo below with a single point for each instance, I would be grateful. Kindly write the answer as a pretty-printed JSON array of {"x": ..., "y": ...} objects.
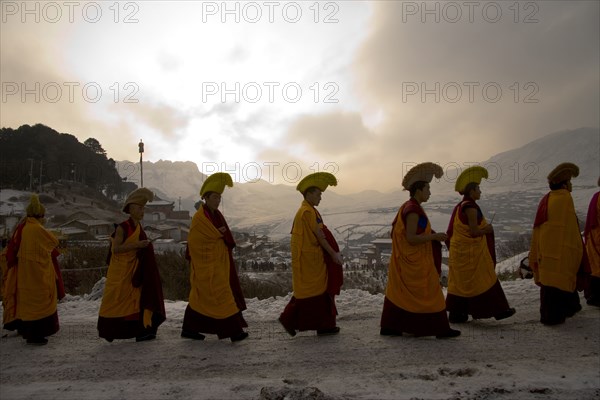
[{"x": 563, "y": 264}]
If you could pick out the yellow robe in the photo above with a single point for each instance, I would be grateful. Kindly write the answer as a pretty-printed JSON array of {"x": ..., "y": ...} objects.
[
  {"x": 592, "y": 244},
  {"x": 556, "y": 246},
  {"x": 210, "y": 293},
  {"x": 413, "y": 282},
  {"x": 309, "y": 273},
  {"x": 471, "y": 268},
  {"x": 120, "y": 297},
  {"x": 36, "y": 277}
]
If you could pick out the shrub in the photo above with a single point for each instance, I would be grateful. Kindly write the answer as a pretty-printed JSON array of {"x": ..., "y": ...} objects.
[
  {"x": 175, "y": 275},
  {"x": 278, "y": 284},
  {"x": 516, "y": 245},
  {"x": 509, "y": 275},
  {"x": 82, "y": 266}
]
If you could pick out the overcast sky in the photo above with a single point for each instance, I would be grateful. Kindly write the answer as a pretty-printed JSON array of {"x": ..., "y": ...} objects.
[{"x": 360, "y": 89}]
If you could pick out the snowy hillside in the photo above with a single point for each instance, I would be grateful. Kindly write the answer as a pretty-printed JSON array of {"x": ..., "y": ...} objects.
[{"x": 529, "y": 165}]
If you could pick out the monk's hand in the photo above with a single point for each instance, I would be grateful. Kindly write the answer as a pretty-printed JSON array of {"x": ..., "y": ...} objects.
[
  {"x": 143, "y": 243},
  {"x": 487, "y": 229},
  {"x": 222, "y": 229},
  {"x": 440, "y": 237},
  {"x": 338, "y": 259}
]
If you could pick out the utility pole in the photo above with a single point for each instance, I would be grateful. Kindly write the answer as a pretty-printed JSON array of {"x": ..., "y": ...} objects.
[
  {"x": 41, "y": 163},
  {"x": 31, "y": 176},
  {"x": 141, "y": 150}
]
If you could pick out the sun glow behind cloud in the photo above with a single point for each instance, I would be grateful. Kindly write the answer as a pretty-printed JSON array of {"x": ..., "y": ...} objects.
[{"x": 224, "y": 81}]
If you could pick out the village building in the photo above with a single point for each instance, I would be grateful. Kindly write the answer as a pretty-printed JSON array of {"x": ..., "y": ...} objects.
[
  {"x": 160, "y": 210},
  {"x": 86, "y": 229},
  {"x": 166, "y": 231}
]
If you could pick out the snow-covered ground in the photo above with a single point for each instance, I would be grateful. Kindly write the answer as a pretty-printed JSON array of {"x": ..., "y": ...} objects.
[{"x": 516, "y": 358}]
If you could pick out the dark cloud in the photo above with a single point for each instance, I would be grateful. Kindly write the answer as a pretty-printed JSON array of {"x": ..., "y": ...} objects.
[{"x": 553, "y": 61}]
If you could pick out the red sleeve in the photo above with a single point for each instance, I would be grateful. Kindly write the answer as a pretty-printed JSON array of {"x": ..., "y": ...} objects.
[{"x": 541, "y": 215}]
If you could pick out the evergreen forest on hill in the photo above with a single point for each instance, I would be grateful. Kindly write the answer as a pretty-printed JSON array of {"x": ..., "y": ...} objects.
[{"x": 32, "y": 156}]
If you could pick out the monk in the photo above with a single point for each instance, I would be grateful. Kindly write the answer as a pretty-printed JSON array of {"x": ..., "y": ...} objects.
[
  {"x": 316, "y": 264},
  {"x": 32, "y": 278},
  {"x": 473, "y": 287},
  {"x": 556, "y": 252},
  {"x": 414, "y": 301},
  {"x": 216, "y": 300},
  {"x": 132, "y": 303},
  {"x": 592, "y": 247}
]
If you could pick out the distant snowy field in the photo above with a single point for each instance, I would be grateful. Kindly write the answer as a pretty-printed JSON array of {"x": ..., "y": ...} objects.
[{"x": 517, "y": 358}]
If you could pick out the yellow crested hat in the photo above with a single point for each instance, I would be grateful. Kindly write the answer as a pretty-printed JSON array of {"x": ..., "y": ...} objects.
[
  {"x": 423, "y": 172},
  {"x": 35, "y": 208},
  {"x": 319, "y": 180},
  {"x": 216, "y": 183},
  {"x": 472, "y": 174},
  {"x": 139, "y": 196},
  {"x": 563, "y": 172}
]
